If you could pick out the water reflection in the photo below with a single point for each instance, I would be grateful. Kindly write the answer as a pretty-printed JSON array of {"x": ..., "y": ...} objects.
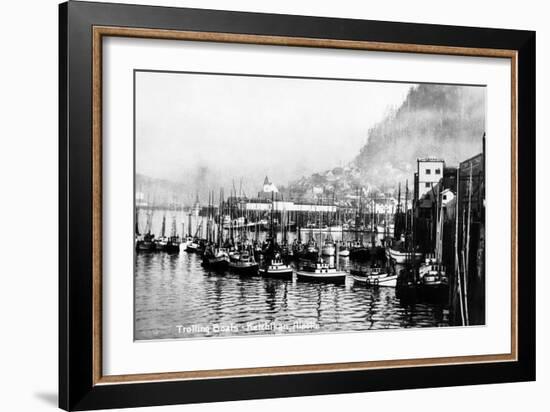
[{"x": 175, "y": 297}]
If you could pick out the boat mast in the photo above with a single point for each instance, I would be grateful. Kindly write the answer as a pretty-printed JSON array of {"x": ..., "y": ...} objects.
[
  {"x": 406, "y": 208},
  {"x": 457, "y": 265},
  {"x": 272, "y": 226},
  {"x": 397, "y": 215}
]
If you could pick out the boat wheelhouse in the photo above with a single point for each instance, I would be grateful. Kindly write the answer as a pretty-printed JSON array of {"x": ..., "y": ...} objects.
[{"x": 275, "y": 267}]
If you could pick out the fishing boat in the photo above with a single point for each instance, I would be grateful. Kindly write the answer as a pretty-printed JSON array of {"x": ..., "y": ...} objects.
[
  {"x": 145, "y": 243},
  {"x": 321, "y": 272},
  {"x": 298, "y": 249},
  {"x": 328, "y": 248},
  {"x": 275, "y": 267},
  {"x": 243, "y": 262},
  {"x": 215, "y": 258},
  {"x": 194, "y": 246},
  {"x": 406, "y": 286},
  {"x": 287, "y": 252},
  {"x": 358, "y": 251},
  {"x": 186, "y": 241},
  {"x": 309, "y": 251},
  {"x": 343, "y": 251},
  {"x": 402, "y": 256},
  {"x": 432, "y": 275},
  {"x": 173, "y": 244},
  {"x": 197, "y": 244},
  {"x": 374, "y": 276},
  {"x": 162, "y": 241}
]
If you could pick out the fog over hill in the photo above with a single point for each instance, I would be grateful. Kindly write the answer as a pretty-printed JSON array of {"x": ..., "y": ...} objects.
[
  {"x": 443, "y": 121},
  {"x": 429, "y": 120}
]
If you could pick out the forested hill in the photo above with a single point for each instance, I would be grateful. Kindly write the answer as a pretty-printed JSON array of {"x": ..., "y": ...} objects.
[{"x": 435, "y": 120}]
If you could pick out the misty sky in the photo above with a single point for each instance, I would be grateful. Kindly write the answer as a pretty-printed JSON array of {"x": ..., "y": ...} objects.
[{"x": 221, "y": 128}]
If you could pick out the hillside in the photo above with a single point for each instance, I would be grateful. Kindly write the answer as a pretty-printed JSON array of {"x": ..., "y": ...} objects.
[
  {"x": 441, "y": 121},
  {"x": 435, "y": 120}
]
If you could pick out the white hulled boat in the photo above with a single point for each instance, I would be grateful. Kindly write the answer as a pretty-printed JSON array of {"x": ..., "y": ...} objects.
[
  {"x": 321, "y": 272},
  {"x": 432, "y": 275},
  {"x": 275, "y": 267},
  {"x": 374, "y": 277},
  {"x": 344, "y": 251},
  {"x": 401, "y": 257},
  {"x": 328, "y": 248}
]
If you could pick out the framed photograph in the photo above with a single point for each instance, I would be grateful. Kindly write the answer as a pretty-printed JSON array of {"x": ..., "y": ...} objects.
[{"x": 256, "y": 205}]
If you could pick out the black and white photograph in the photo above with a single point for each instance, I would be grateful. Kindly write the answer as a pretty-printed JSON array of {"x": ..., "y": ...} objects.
[
  {"x": 274, "y": 206},
  {"x": 270, "y": 205}
]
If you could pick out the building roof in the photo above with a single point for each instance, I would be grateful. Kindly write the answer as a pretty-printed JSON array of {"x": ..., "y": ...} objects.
[{"x": 430, "y": 159}]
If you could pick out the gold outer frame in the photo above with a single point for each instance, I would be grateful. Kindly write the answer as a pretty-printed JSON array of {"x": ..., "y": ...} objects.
[{"x": 101, "y": 31}]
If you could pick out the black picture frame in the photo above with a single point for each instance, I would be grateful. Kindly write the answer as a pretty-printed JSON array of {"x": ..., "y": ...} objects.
[{"x": 77, "y": 390}]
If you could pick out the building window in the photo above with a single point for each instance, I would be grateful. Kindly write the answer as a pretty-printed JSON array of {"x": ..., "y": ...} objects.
[
  {"x": 437, "y": 171},
  {"x": 428, "y": 184},
  {"x": 444, "y": 197},
  {"x": 428, "y": 171}
]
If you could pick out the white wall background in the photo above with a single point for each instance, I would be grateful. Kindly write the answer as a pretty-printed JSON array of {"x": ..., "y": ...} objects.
[{"x": 28, "y": 202}]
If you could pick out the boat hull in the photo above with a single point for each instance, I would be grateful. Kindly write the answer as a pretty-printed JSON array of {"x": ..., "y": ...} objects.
[
  {"x": 389, "y": 281},
  {"x": 402, "y": 257},
  {"x": 172, "y": 248},
  {"x": 193, "y": 248},
  {"x": 243, "y": 269},
  {"x": 339, "y": 277},
  {"x": 145, "y": 246},
  {"x": 279, "y": 274},
  {"x": 216, "y": 263}
]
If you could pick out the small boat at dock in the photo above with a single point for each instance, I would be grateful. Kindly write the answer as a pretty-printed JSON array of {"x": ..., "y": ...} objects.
[
  {"x": 160, "y": 243},
  {"x": 145, "y": 243},
  {"x": 309, "y": 251},
  {"x": 195, "y": 246},
  {"x": 343, "y": 251},
  {"x": 215, "y": 258},
  {"x": 243, "y": 263},
  {"x": 328, "y": 248},
  {"x": 402, "y": 256},
  {"x": 173, "y": 244},
  {"x": 358, "y": 251},
  {"x": 375, "y": 277},
  {"x": 275, "y": 267},
  {"x": 321, "y": 272},
  {"x": 433, "y": 279}
]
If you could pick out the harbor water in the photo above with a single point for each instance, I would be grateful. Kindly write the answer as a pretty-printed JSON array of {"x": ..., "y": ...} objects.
[{"x": 177, "y": 298}]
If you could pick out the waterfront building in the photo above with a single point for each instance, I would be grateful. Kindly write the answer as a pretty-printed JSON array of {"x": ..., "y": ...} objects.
[{"x": 428, "y": 174}]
